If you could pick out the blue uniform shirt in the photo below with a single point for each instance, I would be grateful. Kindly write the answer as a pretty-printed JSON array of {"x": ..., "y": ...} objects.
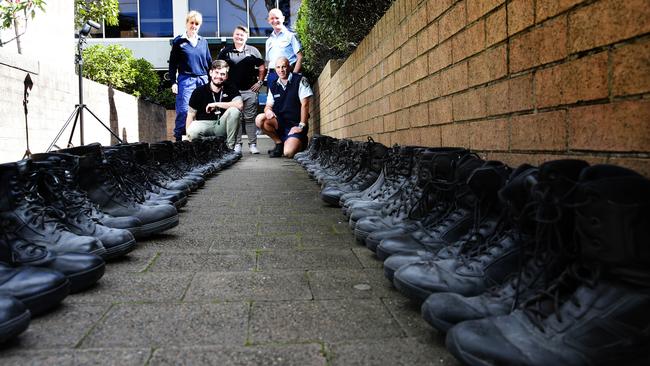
[
  {"x": 187, "y": 59},
  {"x": 283, "y": 44}
]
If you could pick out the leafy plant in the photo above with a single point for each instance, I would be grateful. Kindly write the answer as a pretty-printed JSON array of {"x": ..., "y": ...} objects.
[
  {"x": 115, "y": 65},
  {"x": 10, "y": 16},
  {"x": 9, "y": 10},
  {"x": 330, "y": 29},
  {"x": 97, "y": 10}
]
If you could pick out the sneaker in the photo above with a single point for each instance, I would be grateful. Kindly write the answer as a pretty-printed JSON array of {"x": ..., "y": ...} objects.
[
  {"x": 238, "y": 148},
  {"x": 253, "y": 149},
  {"x": 277, "y": 152}
]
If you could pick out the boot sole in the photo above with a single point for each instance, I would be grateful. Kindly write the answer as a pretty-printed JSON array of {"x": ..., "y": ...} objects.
[
  {"x": 14, "y": 326},
  {"x": 465, "y": 358},
  {"x": 389, "y": 274},
  {"x": 100, "y": 252},
  {"x": 412, "y": 292},
  {"x": 439, "y": 324},
  {"x": 157, "y": 227},
  {"x": 42, "y": 302},
  {"x": 120, "y": 250},
  {"x": 180, "y": 203},
  {"x": 372, "y": 244},
  {"x": 330, "y": 200},
  {"x": 382, "y": 254},
  {"x": 361, "y": 235},
  {"x": 82, "y": 280}
]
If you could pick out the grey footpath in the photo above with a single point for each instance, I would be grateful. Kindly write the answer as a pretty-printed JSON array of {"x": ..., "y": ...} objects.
[{"x": 259, "y": 272}]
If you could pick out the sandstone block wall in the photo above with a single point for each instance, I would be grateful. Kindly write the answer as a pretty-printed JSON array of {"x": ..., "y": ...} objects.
[{"x": 516, "y": 80}]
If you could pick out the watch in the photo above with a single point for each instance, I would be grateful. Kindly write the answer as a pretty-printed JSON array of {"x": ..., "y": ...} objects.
[{"x": 302, "y": 125}]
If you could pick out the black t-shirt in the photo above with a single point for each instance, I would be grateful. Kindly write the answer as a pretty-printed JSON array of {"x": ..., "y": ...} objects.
[
  {"x": 203, "y": 95},
  {"x": 243, "y": 65}
]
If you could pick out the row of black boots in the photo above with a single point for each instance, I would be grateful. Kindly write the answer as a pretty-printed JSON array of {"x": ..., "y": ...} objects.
[
  {"x": 63, "y": 214},
  {"x": 546, "y": 265}
]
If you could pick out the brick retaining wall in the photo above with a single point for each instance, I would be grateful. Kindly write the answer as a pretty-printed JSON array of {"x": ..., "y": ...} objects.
[{"x": 520, "y": 80}]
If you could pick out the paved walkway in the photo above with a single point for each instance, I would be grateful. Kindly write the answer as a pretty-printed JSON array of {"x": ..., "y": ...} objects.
[{"x": 259, "y": 272}]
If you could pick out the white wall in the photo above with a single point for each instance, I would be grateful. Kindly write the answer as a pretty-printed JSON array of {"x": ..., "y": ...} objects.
[{"x": 48, "y": 56}]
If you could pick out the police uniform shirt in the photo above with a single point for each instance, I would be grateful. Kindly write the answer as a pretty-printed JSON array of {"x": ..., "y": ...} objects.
[
  {"x": 304, "y": 90},
  {"x": 283, "y": 44}
]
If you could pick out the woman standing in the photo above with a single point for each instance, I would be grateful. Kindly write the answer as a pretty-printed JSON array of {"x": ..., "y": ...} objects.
[{"x": 190, "y": 58}]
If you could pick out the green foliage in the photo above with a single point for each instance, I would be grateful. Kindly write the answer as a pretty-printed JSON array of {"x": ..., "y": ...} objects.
[
  {"x": 330, "y": 29},
  {"x": 96, "y": 10},
  {"x": 115, "y": 65},
  {"x": 10, "y": 9}
]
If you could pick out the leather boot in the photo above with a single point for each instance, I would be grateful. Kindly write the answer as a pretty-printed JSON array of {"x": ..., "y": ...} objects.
[
  {"x": 455, "y": 220},
  {"x": 81, "y": 269},
  {"x": 58, "y": 185},
  {"x": 26, "y": 216},
  {"x": 98, "y": 179},
  {"x": 544, "y": 260},
  {"x": 596, "y": 311},
  {"x": 14, "y": 318},
  {"x": 477, "y": 264},
  {"x": 436, "y": 173},
  {"x": 39, "y": 289}
]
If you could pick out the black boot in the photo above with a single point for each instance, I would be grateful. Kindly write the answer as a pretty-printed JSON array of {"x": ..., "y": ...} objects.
[
  {"x": 40, "y": 289},
  {"x": 277, "y": 151},
  {"x": 596, "y": 312},
  {"x": 26, "y": 216},
  {"x": 82, "y": 270},
  {"x": 14, "y": 318},
  {"x": 98, "y": 179},
  {"x": 58, "y": 185},
  {"x": 546, "y": 225}
]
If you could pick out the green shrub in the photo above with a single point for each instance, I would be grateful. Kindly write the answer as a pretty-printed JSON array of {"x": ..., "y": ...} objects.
[
  {"x": 115, "y": 65},
  {"x": 331, "y": 29}
]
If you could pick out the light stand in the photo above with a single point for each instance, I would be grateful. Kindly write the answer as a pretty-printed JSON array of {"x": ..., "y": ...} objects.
[{"x": 78, "y": 112}]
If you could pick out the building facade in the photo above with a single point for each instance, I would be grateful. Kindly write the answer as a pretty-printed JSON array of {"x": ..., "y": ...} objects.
[{"x": 147, "y": 26}]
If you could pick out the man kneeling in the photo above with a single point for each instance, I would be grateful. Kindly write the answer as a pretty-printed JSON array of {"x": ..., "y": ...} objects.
[
  {"x": 286, "y": 112},
  {"x": 216, "y": 107}
]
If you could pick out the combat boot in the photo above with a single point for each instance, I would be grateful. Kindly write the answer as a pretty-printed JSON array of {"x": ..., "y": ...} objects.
[
  {"x": 548, "y": 227},
  {"x": 26, "y": 216},
  {"x": 595, "y": 313},
  {"x": 14, "y": 318},
  {"x": 58, "y": 185},
  {"x": 98, "y": 179}
]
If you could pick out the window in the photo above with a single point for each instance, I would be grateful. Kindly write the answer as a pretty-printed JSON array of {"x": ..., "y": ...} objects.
[
  {"x": 127, "y": 21},
  {"x": 231, "y": 14},
  {"x": 156, "y": 18},
  {"x": 259, "y": 12},
  {"x": 208, "y": 10}
]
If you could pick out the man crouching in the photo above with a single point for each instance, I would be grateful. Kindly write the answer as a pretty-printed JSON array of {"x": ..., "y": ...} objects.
[
  {"x": 216, "y": 107},
  {"x": 286, "y": 112}
]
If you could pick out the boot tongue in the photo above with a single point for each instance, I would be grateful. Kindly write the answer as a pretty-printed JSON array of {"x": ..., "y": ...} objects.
[
  {"x": 561, "y": 175},
  {"x": 466, "y": 167},
  {"x": 489, "y": 178}
]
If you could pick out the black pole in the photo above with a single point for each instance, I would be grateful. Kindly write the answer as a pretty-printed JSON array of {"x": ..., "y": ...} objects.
[{"x": 81, "y": 92}]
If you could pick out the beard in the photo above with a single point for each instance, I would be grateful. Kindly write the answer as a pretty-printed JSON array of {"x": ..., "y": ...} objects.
[{"x": 217, "y": 84}]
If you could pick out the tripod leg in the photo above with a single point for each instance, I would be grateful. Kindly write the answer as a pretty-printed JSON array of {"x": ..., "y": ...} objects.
[
  {"x": 74, "y": 125},
  {"x": 75, "y": 114}
]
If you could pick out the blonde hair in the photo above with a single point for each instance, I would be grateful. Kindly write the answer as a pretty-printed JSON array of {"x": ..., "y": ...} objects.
[{"x": 194, "y": 15}]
